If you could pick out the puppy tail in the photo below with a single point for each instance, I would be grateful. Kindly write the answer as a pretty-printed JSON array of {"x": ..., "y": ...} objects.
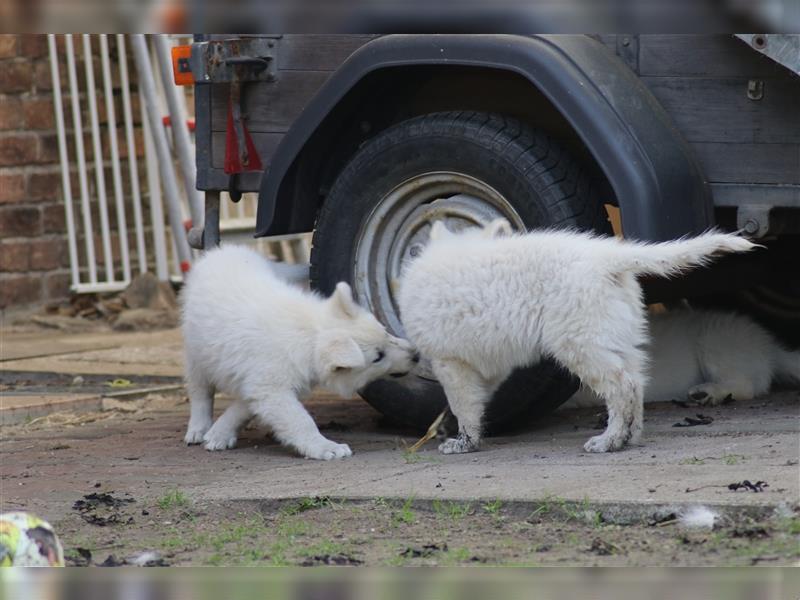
[
  {"x": 671, "y": 258},
  {"x": 788, "y": 365}
]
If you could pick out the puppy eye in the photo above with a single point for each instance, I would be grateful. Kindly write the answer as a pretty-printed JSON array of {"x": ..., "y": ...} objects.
[{"x": 380, "y": 356}]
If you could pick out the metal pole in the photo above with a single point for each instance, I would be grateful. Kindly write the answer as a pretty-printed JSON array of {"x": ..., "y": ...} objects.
[
  {"x": 83, "y": 184},
  {"x": 211, "y": 228},
  {"x": 180, "y": 130},
  {"x": 148, "y": 90},
  {"x": 97, "y": 147},
  {"x": 131, "y": 146},
  {"x": 116, "y": 174},
  {"x": 62, "y": 153}
]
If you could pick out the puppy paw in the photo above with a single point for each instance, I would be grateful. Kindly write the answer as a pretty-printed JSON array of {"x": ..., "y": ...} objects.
[
  {"x": 706, "y": 395},
  {"x": 327, "y": 450},
  {"x": 604, "y": 443},
  {"x": 219, "y": 440},
  {"x": 195, "y": 434},
  {"x": 458, "y": 445}
]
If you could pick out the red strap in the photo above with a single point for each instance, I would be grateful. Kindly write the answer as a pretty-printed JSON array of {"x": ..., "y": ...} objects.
[{"x": 233, "y": 163}]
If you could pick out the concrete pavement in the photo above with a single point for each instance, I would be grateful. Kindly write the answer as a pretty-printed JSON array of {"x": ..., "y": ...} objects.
[{"x": 136, "y": 447}]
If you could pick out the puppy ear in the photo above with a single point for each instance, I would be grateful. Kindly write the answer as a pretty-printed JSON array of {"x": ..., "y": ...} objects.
[
  {"x": 342, "y": 301},
  {"x": 439, "y": 231},
  {"x": 497, "y": 228},
  {"x": 339, "y": 353}
]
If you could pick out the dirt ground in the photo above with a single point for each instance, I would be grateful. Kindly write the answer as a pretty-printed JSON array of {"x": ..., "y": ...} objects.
[
  {"x": 381, "y": 532},
  {"x": 118, "y": 483}
]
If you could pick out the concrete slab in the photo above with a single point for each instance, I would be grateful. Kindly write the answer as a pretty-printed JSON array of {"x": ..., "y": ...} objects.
[
  {"x": 157, "y": 353},
  {"x": 20, "y": 408},
  {"x": 142, "y": 453}
]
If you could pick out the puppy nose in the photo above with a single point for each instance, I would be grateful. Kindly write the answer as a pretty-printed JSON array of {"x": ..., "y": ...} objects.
[{"x": 415, "y": 358}]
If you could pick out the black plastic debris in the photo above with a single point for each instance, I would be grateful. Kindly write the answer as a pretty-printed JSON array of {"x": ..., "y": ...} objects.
[
  {"x": 113, "y": 561},
  {"x": 105, "y": 502},
  {"x": 681, "y": 403},
  {"x": 83, "y": 558},
  {"x": 340, "y": 560},
  {"x": 692, "y": 421},
  {"x": 758, "y": 486},
  {"x": 424, "y": 552},
  {"x": 95, "y": 499},
  {"x": 602, "y": 548}
]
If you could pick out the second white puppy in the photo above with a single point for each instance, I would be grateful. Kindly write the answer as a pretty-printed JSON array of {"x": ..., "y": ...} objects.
[
  {"x": 251, "y": 335},
  {"x": 709, "y": 356},
  {"x": 481, "y": 303}
]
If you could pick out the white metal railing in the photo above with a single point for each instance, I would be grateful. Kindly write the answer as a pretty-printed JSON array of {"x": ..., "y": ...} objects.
[
  {"x": 125, "y": 183},
  {"x": 144, "y": 245}
]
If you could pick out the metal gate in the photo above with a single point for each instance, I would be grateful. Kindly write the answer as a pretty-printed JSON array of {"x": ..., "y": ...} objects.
[{"x": 110, "y": 239}]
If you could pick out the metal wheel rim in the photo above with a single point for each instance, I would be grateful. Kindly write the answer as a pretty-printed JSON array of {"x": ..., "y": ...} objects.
[{"x": 398, "y": 227}]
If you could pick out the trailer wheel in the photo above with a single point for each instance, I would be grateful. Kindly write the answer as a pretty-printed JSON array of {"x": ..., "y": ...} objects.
[{"x": 467, "y": 168}]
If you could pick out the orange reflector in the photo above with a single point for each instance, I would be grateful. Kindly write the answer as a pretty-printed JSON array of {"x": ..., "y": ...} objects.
[{"x": 180, "y": 65}]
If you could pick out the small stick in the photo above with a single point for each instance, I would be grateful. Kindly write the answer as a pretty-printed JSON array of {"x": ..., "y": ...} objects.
[{"x": 430, "y": 434}]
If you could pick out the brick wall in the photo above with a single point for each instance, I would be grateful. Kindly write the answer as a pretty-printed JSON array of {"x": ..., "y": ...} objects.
[{"x": 34, "y": 260}]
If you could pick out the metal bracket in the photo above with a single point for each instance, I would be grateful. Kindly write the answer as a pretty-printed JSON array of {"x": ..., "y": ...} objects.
[
  {"x": 242, "y": 59},
  {"x": 753, "y": 219},
  {"x": 783, "y": 48}
]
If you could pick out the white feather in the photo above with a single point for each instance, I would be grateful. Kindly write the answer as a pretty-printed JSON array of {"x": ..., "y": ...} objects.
[{"x": 698, "y": 517}]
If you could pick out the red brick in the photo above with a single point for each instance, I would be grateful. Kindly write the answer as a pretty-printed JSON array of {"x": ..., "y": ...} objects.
[
  {"x": 15, "y": 291},
  {"x": 53, "y": 219},
  {"x": 57, "y": 285},
  {"x": 12, "y": 187},
  {"x": 15, "y": 76},
  {"x": 44, "y": 186},
  {"x": 11, "y": 115},
  {"x": 47, "y": 254},
  {"x": 43, "y": 78},
  {"x": 20, "y": 221},
  {"x": 33, "y": 45},
  {"x": 14, "y": 256},
  {"x": 9, "y": 45},
  {"x": 48, "y": 149},
  {"x": 39, "y": 113},
  {"x": 17, "y": 149}
]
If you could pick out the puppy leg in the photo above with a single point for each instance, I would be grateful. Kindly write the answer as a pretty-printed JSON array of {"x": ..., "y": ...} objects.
[
  {"x": 293, "y": 426},
  {"x": 222, "y": 434},
  {"x": 619, "y": 380},
  {"x": 467, "y": 395},
  {"x": 714, "y": 393},
  {"x": 201, "y": 407}
]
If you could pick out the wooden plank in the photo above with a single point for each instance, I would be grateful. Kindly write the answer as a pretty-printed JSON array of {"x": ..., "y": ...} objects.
[
  {"x": 737, "y": 194},
  {"x": 718, "y": 110},
  {"x": 317, "y": 52},
  {"x": 703, "y": 56},
  {"x": 265, "y": 143},
  {"x": 750, "y": 163},
  {"x": 269, "y": 107}
]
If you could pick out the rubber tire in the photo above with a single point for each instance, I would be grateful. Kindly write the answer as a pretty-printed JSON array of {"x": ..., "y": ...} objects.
[{"x": 545, "y": 185}]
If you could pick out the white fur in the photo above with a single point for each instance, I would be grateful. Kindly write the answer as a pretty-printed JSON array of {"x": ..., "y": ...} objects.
[
  {"x": 707, "y": 356},
  {"x": 249, "y": 334},
  {"x": 479, "y": 306},
  {"x": 698, "y": 517}
]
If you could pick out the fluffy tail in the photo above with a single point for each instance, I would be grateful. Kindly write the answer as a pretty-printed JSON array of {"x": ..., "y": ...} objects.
[
  {"x": 788, "y": 365},
  {"x": 671, "y": 258}
]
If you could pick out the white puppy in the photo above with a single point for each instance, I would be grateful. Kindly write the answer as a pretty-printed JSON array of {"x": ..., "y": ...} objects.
[
  {"x": 709, "y": 356},
  {"x": 249, "y": 334},
  {"x": 481, "y": 303}
]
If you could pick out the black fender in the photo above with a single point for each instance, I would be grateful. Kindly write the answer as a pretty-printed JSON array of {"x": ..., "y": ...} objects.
[{"x": 657, "y": 182}]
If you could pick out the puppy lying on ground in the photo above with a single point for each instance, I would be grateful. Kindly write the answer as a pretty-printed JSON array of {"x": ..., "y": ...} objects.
[
  {"x": 249, "y": 334},
  {"x": 484, "y": 302},
  {"x": 709, "y": 356}
]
